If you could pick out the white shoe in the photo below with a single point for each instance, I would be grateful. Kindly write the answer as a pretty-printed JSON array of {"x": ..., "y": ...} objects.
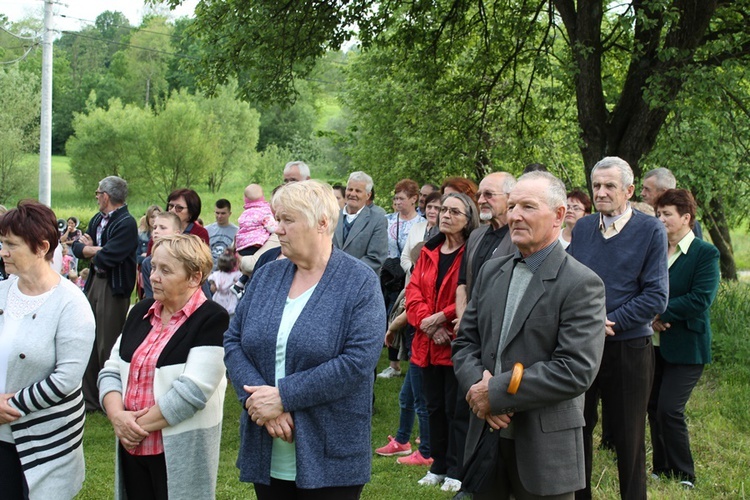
[
  {"x": 431, "y": 479},
  {"x": 389, "y": 372},
  {"x": 451, "y": 484}
]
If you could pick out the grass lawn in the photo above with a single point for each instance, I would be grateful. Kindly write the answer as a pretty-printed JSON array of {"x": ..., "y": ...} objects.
[{"x": 718, "y": 413}]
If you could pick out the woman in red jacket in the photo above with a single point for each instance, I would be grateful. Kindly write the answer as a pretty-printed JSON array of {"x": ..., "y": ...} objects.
[{"x": 431, "y": 309}]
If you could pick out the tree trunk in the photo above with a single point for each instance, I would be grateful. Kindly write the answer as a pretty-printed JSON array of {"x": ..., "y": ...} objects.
[{"x": 719, "y": 231}]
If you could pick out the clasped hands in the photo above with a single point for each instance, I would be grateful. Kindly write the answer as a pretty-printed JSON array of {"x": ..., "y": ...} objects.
[
  {"x": 127, "y": 429},
  {"x": 434, "y": 327},
  {"x": 264, "y": 407},
  {"x": 7, "y": 412},
  {"x": 658, "y": 325},
  {"x": 478, "y": 398}
]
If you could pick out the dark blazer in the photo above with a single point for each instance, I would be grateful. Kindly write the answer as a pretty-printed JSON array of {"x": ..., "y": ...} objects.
[
  {"x": 117, "y": 257},
  {"x": 693, "y": 284},
  {"x": 557, "y": 334},
  {"x": 368, "y": 238},
  {"x": 505, "y": 247}
]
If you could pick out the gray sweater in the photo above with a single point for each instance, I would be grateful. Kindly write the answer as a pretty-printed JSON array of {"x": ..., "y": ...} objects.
[{"x": 45, "y": 370}]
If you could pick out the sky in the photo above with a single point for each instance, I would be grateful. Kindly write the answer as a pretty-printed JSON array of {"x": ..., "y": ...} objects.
[{"x": 82, "y": 13}]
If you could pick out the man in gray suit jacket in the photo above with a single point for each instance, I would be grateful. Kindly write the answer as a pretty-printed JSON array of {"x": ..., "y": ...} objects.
[
  {"x": 362, "y": 232},
  {"x": 540, "y": 308}
]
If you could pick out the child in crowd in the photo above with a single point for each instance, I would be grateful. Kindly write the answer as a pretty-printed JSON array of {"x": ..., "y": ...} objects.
[
  {"x": 83, "y": 277},
  {"x": 165, "y": 224},
  {"x": 221, "y": 282},
  {"x": 257, "y": 224},
  {"x": 68, "y": 262}
]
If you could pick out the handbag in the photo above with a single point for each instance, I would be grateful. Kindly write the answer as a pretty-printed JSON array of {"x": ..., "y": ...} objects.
[
  {"x": 392, "y": 275},
  {"x": 479, "y": 468}
]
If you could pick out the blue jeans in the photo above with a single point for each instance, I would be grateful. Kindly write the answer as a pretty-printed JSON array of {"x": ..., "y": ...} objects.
[{"x": 411, "y": 400}]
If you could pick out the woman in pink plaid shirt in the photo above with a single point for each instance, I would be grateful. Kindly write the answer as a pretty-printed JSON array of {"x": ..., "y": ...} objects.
[{"x": 163, "y": 387}]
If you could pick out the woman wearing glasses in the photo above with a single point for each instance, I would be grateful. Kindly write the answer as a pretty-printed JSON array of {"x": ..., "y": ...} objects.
[
  {"x": 187, "y": 205},
  {"x": 579, "y": 205},
  {"x": 431, "y": 308}
]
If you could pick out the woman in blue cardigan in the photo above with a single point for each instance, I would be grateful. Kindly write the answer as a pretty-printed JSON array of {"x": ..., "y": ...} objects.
[
  {"x": 683, "y": 335},
  {"x": 300, "y": 352}
]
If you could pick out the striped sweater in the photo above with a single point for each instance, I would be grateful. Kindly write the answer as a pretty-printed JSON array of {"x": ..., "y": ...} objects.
[
  {"x": 189, "y": 386},
  {"x": 44, "y": 372}
]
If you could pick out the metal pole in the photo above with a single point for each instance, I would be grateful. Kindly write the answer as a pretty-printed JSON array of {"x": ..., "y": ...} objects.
[{"x": 45, "y": 139}]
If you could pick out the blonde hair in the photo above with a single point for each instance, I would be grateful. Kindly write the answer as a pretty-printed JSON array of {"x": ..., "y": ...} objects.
[
  {"x": 313, "y": 200},
  {"x": 190, "y": 250}
]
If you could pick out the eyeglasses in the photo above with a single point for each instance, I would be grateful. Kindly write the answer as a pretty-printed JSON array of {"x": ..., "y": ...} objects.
[
  {"x": 488, "y": 195},
  {"x": 97, "y": 192},
  {"x": 177, "y": 208},
  {"x": 453, "y": 211},
  {"x": 575, "y": 208}
]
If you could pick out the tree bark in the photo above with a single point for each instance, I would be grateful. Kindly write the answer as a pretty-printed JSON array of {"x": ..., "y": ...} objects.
[{"x": 719, "y": 231}]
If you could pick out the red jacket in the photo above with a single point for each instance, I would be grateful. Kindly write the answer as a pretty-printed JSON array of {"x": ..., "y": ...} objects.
[{"x": 422, "y": 300}]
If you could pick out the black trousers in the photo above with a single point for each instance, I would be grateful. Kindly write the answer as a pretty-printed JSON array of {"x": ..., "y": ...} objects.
[
  {"x": 145, "y": 477},
  {"x": 624, "y": 383},
  {"x": 673, "y": 384},
  {"x": 440, "y": 388},
  {"x": 288, "y": 490},
  {"x": 12, "y": 480},
  {"x": 507, "y": 482}
]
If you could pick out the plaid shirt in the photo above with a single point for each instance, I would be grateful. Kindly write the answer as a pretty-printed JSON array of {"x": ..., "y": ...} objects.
[{"x": 140, "y": 390}]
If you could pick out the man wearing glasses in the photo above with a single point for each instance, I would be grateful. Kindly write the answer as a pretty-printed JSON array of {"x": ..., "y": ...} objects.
[
  {"x": 489, "y": 240},
  {"x": 111, "y": 243}
]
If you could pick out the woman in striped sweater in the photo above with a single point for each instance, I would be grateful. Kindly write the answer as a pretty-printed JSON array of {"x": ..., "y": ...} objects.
[{"x": 46, "y": 335}]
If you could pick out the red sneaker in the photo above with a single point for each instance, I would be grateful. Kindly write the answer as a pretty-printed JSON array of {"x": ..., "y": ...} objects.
[
  {"x": 394, "y": 448},
  {"x": 415, "y": 458}
]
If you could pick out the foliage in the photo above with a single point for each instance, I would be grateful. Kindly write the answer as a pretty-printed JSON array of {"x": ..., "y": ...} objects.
[
  {"x": 19, "y": 121},
  {"x": 187, "y": 141},
  {"x": 107, "y": 141},
  {"x": 235, "y": 126}
]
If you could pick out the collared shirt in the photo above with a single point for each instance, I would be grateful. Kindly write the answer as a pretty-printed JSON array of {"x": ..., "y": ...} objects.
[
  {"x": 103, "y": 224},
  {"x": 350, "y": 217},
  {"x": 682, "y": 247},
  {"x": 140, "y": 391},
  {"x": 616, "y": 226},
  {"x": 536, "y": 259}
]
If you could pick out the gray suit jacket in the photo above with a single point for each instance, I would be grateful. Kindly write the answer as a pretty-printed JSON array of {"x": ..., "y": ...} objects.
[
  {"x": 368, "y": 238},
  {"x": 557, "y": 334},
  {"x": 505, "y": 247}
]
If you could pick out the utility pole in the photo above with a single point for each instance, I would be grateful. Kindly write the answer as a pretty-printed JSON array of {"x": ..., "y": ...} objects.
[{"x": 45, "y": 139}]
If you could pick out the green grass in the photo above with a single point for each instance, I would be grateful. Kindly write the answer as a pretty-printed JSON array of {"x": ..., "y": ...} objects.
[{"x": 717, "y": 413}]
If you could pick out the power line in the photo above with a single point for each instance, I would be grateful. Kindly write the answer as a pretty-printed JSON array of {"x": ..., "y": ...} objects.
[
  {"x": 21, "y": 58},
  {"x": 120, "y": 26},
  {"x": 127, "y": 45},
  {"x": 28, "y": 38}
]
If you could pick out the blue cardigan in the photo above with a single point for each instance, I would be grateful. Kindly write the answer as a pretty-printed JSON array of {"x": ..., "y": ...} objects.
[{"x": 332, "y": 351}]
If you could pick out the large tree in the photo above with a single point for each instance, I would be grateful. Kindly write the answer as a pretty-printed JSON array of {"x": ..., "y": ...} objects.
[{"x": 625, "y": 62}]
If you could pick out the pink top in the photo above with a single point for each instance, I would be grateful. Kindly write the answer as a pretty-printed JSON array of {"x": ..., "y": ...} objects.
[
  {"x": 256, "y": 223},
  {"x": 223, "y": 295},
  {"x": 140, "y": 391}
]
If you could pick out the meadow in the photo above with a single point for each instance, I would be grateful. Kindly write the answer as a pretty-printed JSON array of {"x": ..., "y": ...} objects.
[{"x": 718, "y": 413}]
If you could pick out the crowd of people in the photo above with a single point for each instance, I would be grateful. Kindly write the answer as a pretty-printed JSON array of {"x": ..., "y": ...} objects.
[{"x": 520, "y": 315}]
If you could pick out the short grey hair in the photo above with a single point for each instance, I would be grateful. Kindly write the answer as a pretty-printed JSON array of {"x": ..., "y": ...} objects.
[
  {"x": 556, "y": 194},
  {"x": 360, "y": 176},
  {"x": 509, "y": 182},
  {"x": 311, "y": 200},
  {"x": 115, "y": 187},
  {"x": 304, "y": 170},
  {"x": 663, "y": 176},
  {"x": 626, "y": 173}
]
